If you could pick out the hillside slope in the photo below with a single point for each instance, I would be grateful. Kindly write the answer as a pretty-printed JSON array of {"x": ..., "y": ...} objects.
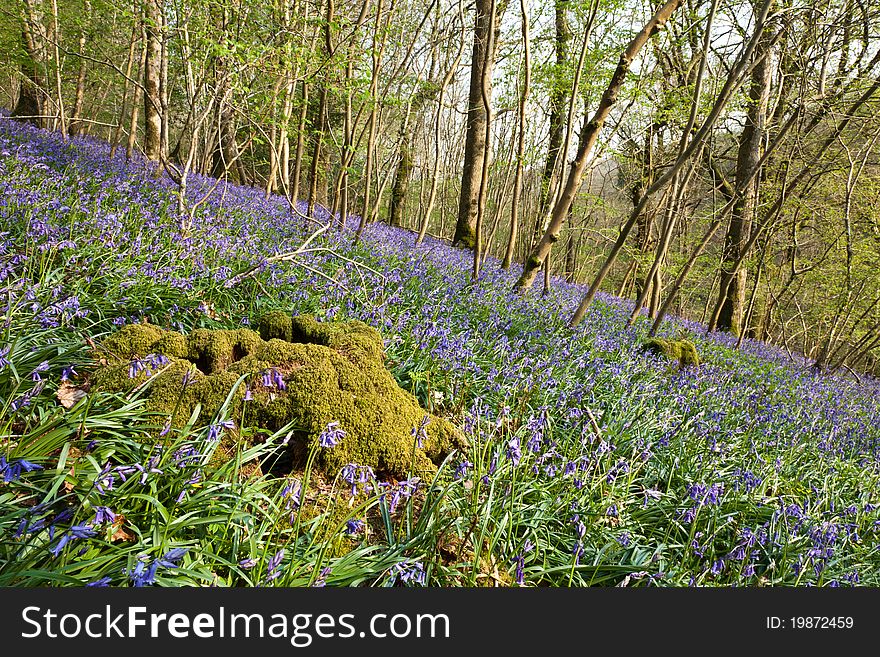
[{"x": 592, "y": 461}]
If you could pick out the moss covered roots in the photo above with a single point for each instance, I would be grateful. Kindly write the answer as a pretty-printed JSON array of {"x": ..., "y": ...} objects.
[
  {"x": 298, "y": 370},
  {"x": 682, "y": 351}
]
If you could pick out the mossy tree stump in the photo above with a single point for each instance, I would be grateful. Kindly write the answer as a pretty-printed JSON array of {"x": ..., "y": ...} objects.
[
  {"x": 682, "y": 351},
  {"x": 297, "y": 370}
]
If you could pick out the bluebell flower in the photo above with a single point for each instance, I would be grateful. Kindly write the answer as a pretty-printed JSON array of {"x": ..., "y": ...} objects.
[
  {"x": 143, "y": 574},
  {"x": 409, "y": 572},
  {"x": 188, "y": 379},
  {"x": 331, "y": 435},
  {"x": 105, "y": 480},
  {"x": 321, "y": 581},
  {"x": 292, "y": 494},
  {"x": 519, "y": 561},
  {"x": 104, "y": 514},
  {"x": 272, "y": 568},
  {"x": 278, "y": 380},
  {"x": 353, "y": 526},
  {"x": 74, "y": 532},
  {"x": 42, "y": 367},
  {"x": 514, "y": 453},
  {"x": 216, "y": 430},
  {"x": 100, "y": 583},
  {"x": 171, "y": 558},
  {"x": 135, "y": 367},
  {"x": 12, "y": 470},
  {"x": 420, "y": 433},
  {"x": 462, "y": 470}
]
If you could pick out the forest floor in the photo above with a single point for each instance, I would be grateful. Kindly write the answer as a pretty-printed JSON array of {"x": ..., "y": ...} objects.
[{"x": 590, "y": 462}]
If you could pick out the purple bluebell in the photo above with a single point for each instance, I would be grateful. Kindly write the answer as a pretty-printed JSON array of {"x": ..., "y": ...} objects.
[{"x": 331, "y": 435}]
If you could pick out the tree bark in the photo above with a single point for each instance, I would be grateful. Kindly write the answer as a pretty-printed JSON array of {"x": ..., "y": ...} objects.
[
  {"x": 520, "y": 138},
  {"x": 32, "y": 90},
  {"x": 748, "y": 156},
  {"x": 152, "y": 75},
  {"x": 557, "y": 116},
  {"x": 477, "y": 131},
  {"x": 75, "y": 127}
]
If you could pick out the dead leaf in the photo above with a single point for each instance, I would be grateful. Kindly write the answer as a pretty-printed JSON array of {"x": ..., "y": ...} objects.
[
  {"x": 119, "y": 531},
  {"x": 68, "y": 394}
]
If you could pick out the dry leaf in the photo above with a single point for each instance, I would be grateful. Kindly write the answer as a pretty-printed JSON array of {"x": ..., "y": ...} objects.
[
  {"x": 119, "y": 531},
  {"x": 68, "y": 394}
]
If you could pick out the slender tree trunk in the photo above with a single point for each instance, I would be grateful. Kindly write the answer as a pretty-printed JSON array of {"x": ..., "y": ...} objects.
[
  {"x": 300, "y": 143},
  {"x": 125, "y": 87},
  {"x": 152, "y": 80},
  {"x": 136, "y": 102},
  {"x": 748, "y": 156},
  {"x": 589, "y": 136},
  {"x": 75, "y": 127},
  {"x": 320, "y": 165},
  {"x": 226, "y": 157},
  {"x": 521, "y": 137},
  {"x": 59, "y": 95},
  {"x": 403, "y": 173},
  {"x": 400, "y": 187},
  {"x": 435, "y": 177},
  {"x": 368, "y": 210},
  {"x": 164, "y": 91},
  {"x": 486, "y": 97},
  {"x": 477, "y": 130},
  {"x": 557, "y": 97},
  {"x": 32, "y": 91}
]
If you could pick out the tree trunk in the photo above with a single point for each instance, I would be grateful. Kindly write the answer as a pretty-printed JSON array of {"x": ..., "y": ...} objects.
[
  {"x": 130, "y": 62},
  {"x": 136, "y": 103},
  {"x": 32, "y": 90},
  {"x": 589, "y": 136},
  {"x": 521, "y": 137},
  {"x": 748, "y": 156},
  {"x": 482, "y": 64},
  {"x": 152, "y": 75},
  {"x": 401, "y": 180},
  {"x": 75, "y": 127},
  {"x": 558, "y": 108}
]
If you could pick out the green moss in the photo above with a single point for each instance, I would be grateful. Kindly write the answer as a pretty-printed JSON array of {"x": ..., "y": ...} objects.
[
  {"x": 132, "y": 340},
  {"x": 333, "y": 372},
  {"x": 682, "y": 351},
  {"x": 275, "y": 324},
  {"x": 353, "y": 338},
  {"x": 465, "y": 236},
  {"x": 214, "y": 351},
  {"x": 172, "y": 344}
]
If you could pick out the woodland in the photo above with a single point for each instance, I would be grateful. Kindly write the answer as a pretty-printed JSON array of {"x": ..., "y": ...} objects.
[{"x": 436, "y": 292}]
